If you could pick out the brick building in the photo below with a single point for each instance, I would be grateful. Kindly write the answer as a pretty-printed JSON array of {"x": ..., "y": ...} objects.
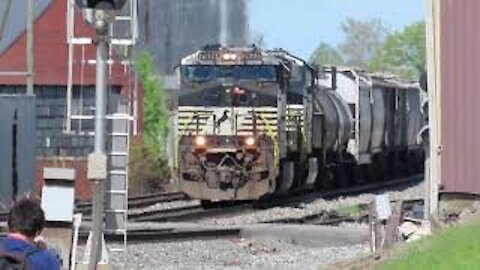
[
  {"x": 169, "y": 29},
  {"x": 54, "y": 146}
]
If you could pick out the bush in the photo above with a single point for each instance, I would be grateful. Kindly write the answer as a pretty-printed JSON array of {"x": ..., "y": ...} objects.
[{"x": 148, "y": 173}]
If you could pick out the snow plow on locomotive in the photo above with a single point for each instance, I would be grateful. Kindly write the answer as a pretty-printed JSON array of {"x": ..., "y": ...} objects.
[{"x": 252, "y": 123}]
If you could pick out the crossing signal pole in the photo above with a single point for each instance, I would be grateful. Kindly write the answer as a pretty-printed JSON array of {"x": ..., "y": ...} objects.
[
  {"x": 97, "y": 161},
  {"x": 104, "y": 14}
]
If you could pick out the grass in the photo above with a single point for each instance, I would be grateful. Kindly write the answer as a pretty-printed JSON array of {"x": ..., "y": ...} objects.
[
  {"x": 350, "y": 210},
  {"x": 453, "y": 248}
]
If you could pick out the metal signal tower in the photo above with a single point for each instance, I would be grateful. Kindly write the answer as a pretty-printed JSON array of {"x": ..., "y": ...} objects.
[{"x": 108, "y": 164}]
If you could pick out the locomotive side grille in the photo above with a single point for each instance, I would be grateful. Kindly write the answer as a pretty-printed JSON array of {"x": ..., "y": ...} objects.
[
  {"x": 266, "y": 121},
  {"x": 190, "y": 117},
  {"x": 241, "y": 122}
]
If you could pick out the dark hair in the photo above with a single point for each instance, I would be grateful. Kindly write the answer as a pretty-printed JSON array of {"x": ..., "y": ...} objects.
[{"x": 26, "y": 217}]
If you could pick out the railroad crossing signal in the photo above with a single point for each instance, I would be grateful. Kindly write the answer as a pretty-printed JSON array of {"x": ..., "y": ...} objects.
[{"x": 101, "y": 4}]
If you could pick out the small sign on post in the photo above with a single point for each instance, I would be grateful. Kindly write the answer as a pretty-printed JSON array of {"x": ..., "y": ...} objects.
[
  {"x": 59, "y": 187},
  {"x": 380, "y": 212},
  {"x": 382, "y": 207}
]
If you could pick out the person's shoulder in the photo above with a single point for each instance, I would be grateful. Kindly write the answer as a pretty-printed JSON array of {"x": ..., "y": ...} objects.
[
  {"x": 8, "y": 244},
  {"x": 45, "y": 259},
  {"x": 9, "y": 240}
]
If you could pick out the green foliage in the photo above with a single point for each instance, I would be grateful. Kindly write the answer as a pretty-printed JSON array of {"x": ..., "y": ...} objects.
[
  {"x": 350, "y": 210},
  {"x": 148, "y": 172},
  {"x": 454, "y": 248},
  {"x": 148, "y": 164},
  {"x": 156, "y": 116},
  {"x": 403, "y": 52},
  {"x": 325, "y": 54},
  {"x": 368, "y": 45},
  {"x": 362, "y": 40}
]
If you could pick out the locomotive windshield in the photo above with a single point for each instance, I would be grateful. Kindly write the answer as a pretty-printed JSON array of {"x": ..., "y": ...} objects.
[{"x": 207, "y": 73}]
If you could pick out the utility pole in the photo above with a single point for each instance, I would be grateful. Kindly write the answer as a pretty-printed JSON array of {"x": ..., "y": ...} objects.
[
  {"x": 432, "y": 169},
  {"x": 97, "y": 161},
  {"x": 30, "y": 19}
]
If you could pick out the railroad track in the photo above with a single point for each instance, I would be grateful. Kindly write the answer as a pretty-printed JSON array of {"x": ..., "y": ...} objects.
[
  {"x": 354, "y": 190},
  {"x": 138, "y": 201},
  {"x": 169, "y": 234},
  {"x": 333, "y": 218},
  {"x": 196, "y": 212},
  {"x": 187, "y": 213},
  {"x": 321, "y": 218}
]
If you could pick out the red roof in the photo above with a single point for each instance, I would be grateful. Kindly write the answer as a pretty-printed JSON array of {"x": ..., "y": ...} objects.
[{"x": 51, "y": 52}]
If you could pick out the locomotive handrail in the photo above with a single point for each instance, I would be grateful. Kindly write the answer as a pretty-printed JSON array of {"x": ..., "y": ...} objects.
[
  {"x": 177, "y": 140},
  {"x": 270, "y": 134}
]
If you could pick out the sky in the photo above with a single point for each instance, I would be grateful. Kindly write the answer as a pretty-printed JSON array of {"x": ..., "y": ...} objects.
[{"x": 300, "y": 25}]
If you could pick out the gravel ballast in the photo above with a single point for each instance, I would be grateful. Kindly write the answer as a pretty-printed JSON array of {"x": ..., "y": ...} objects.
[
  {"x": 235, "y": 254},
  {"x": 254, "y": 253},
  {"x": 315, "y": 206}
]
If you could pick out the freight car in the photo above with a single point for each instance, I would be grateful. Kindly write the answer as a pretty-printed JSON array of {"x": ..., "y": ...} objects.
[{"x": 252, "y": 123}]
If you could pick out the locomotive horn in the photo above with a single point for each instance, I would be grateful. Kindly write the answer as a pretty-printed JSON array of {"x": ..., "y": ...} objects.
[{"x": 334, "y": 77}]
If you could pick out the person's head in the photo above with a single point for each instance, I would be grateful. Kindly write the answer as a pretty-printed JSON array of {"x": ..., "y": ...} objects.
[{"x": 26, "y": 217}]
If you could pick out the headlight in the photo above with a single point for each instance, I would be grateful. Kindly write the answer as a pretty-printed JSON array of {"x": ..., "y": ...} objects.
[
  {"x": 250, "y": 142},
  {"x": 229, "y": 57},
  {"x": 200, "y": 141}
]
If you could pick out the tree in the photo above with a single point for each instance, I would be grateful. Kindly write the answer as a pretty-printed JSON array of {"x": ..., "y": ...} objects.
[
  {"x": 403, "y": 52},
  {"x": 156, "y": 116},
  {"x": 148, "y": 164},
  {"x": 325, "y": 54},
  {"x": 362, "y": 39}
]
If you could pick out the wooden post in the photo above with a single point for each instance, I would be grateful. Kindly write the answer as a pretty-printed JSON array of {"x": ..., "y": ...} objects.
[
  {"x": 393, "y": 223},
  {"x": 372, "y": 222}
]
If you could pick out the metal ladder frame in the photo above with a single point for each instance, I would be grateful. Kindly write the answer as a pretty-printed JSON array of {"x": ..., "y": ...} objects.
[{"x": 132, "y": 16}]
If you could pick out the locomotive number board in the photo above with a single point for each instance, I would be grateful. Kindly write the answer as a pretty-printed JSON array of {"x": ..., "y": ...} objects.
[{"x": 217, "y": 55}]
